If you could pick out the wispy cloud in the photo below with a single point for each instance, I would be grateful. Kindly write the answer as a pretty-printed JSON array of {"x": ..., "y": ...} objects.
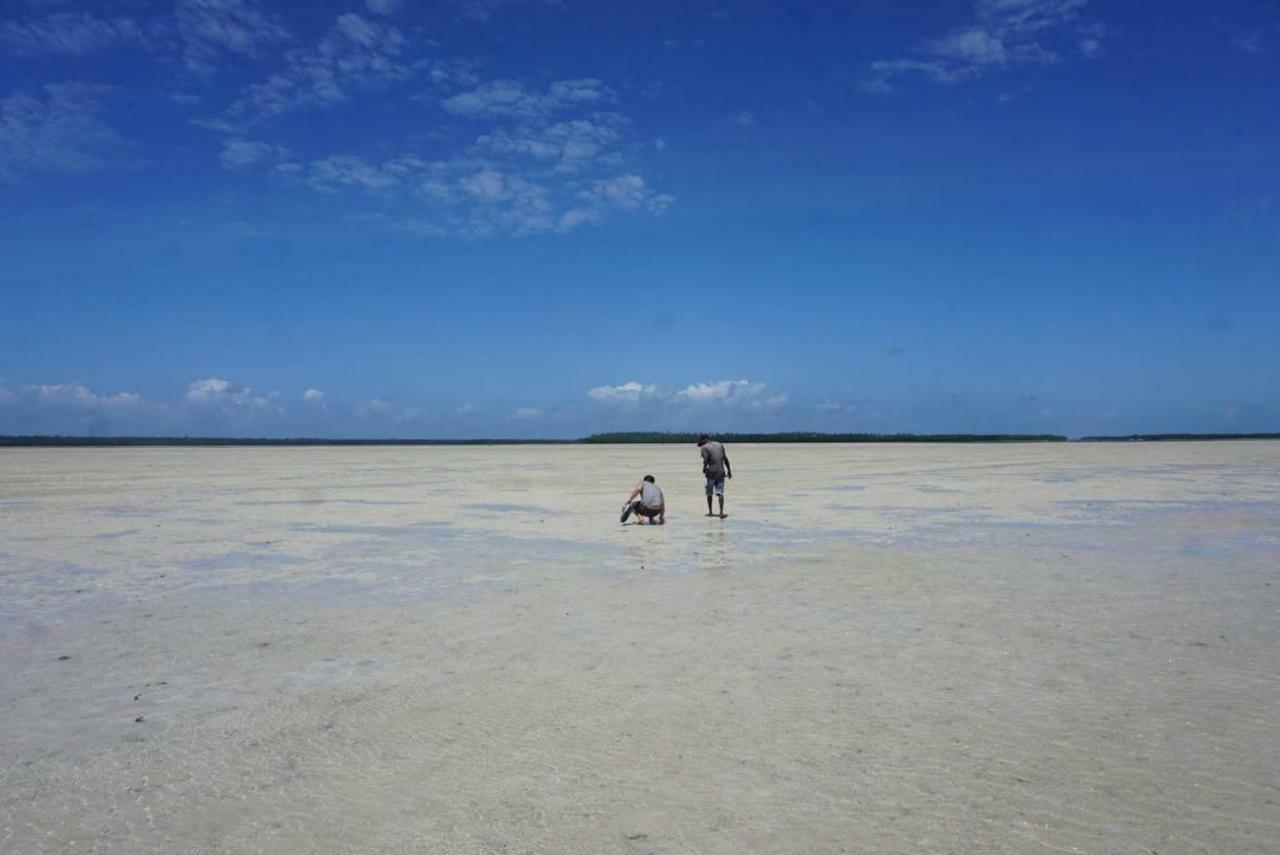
[
  {"x": 528, "y": 413},
  {"x": 240, "y": 153},
  {"x": 483, "y": 11},
  {"x": 832, "y": 407},
  {"x": 511, "y": 99},
  {"x": 313, "y": 396},
  {"x": 1003, "y": 34},
  {"x": 744, "y": 119},
  {"x": 58, "y": 132},
  {"x": 211, "y": 28},
  {"x": 357, "y": 54},
  {"x": 72, "y": 33},
  {"x": 533, "y": 169},
  {"x": 609, "y": 195}
]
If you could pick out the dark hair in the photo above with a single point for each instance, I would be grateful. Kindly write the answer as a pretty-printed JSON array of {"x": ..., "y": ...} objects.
[
  {"x": 704, "y": 438},
  {"x": 649, "y": 478}
]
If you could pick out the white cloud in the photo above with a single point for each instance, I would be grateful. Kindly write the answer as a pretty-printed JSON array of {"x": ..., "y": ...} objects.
[
  {"x": 239, "y": 153},
  {"x": 78, "y": 395},
  {"x": 511, "y": 99},
  {"x": 74, "y": 33},
  {"x": 744, "y": 118},
  {"x": 1004, "y": 34},
  {"x": 229, "y": 396},
  {"x": 631, "y": 392},
  {"x": 465, "y": 410},
  {"x": 528, "y": 413},
  {"x": 59, "y": 132},
  {"x": 356, "y": 55},
  {"x": 720, "y": 390},
  {"x": 571, "y": 145},
  {"x": 347, "y": 171},
  {"x": 620, "y": 193},
  {"x": 211, "y": 28},
  {"x": 732, "y": 393},
  {"x": 537, "y": 171},
  {"x": 314, "y": 396},
  {"x": 382, "y": 7}
]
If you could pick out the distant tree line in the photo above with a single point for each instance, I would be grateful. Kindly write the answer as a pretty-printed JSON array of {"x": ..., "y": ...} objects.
[
  {"x": 1176, "y": 437},
  {"x": 616, "y": 438},
  {"x": 812, "y": 436},
  {"x": 127, "y": 441}
]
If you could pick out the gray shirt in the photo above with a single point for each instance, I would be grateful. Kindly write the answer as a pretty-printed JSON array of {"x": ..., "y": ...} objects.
[
  {"x": 650, "y": 496},
  {"x": 713, "y": 460}
]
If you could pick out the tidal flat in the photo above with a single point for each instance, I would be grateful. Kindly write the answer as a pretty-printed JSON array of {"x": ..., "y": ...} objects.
[{"x": 885, "y": 648}]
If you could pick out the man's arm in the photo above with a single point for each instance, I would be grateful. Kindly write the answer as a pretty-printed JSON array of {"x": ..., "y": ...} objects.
[
  {"x": 728, "y": 471},
  {"x": 634, "y": 493}
]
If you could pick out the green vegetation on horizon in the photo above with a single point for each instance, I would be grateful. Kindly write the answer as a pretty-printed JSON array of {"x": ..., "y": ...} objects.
[
  {"x": 812, "y": 436},
  {"x": 617, "y": 438}
]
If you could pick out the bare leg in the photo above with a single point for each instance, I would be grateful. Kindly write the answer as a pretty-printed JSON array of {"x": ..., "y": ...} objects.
[
  {"x": 721, "y": 498},
  {"x": 709, "y": 505}
]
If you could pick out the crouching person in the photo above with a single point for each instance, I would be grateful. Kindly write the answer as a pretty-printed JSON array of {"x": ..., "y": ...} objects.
[{"x": 646, "y": 500}]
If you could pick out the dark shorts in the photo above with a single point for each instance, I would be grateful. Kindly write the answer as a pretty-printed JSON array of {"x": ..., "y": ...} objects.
[{"x": 638, "y": 508}]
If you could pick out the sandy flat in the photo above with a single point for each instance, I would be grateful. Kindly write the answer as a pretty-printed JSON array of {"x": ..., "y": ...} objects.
[{"x": 885, "y": 648}]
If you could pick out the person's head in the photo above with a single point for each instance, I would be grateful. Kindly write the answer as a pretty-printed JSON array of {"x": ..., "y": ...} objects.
[
  {"x": 649, "y": 478},
  {"x": 703, "y": 440}
]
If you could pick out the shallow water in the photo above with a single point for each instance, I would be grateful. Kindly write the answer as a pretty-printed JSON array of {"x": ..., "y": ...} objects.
[{"x": 1004, "y": 648}]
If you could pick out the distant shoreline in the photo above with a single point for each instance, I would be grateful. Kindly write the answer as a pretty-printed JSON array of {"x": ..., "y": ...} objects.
[{"x": 35, "y": 441}]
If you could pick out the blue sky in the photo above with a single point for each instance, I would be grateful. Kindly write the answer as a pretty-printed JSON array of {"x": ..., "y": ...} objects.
[{"x": 527, "y": 218}]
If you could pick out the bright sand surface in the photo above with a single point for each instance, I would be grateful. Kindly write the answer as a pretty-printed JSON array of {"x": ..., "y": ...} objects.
[{"x": 885, "y": 648}]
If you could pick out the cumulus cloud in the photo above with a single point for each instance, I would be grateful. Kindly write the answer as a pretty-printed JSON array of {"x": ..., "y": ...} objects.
[
  {"x": 72, "y": 33},
  {"x": 58, "y": 131},
  {"x": 78, "y": 395},
  {"x": 313, "y": 396},
  {"x": 211, "y": 28},
  {"x": 1003, "y": 34},
  {"x": 732, "y": 393},
  {"x": 228, "y": 396},
  {"x": 631, "y": 392}
]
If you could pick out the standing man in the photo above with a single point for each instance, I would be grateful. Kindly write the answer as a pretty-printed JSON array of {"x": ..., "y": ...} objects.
[{"x": 715, "y": 466}]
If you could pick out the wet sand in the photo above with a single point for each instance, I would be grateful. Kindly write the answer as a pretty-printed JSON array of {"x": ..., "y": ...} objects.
[{"x": 940, "y": 648}]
